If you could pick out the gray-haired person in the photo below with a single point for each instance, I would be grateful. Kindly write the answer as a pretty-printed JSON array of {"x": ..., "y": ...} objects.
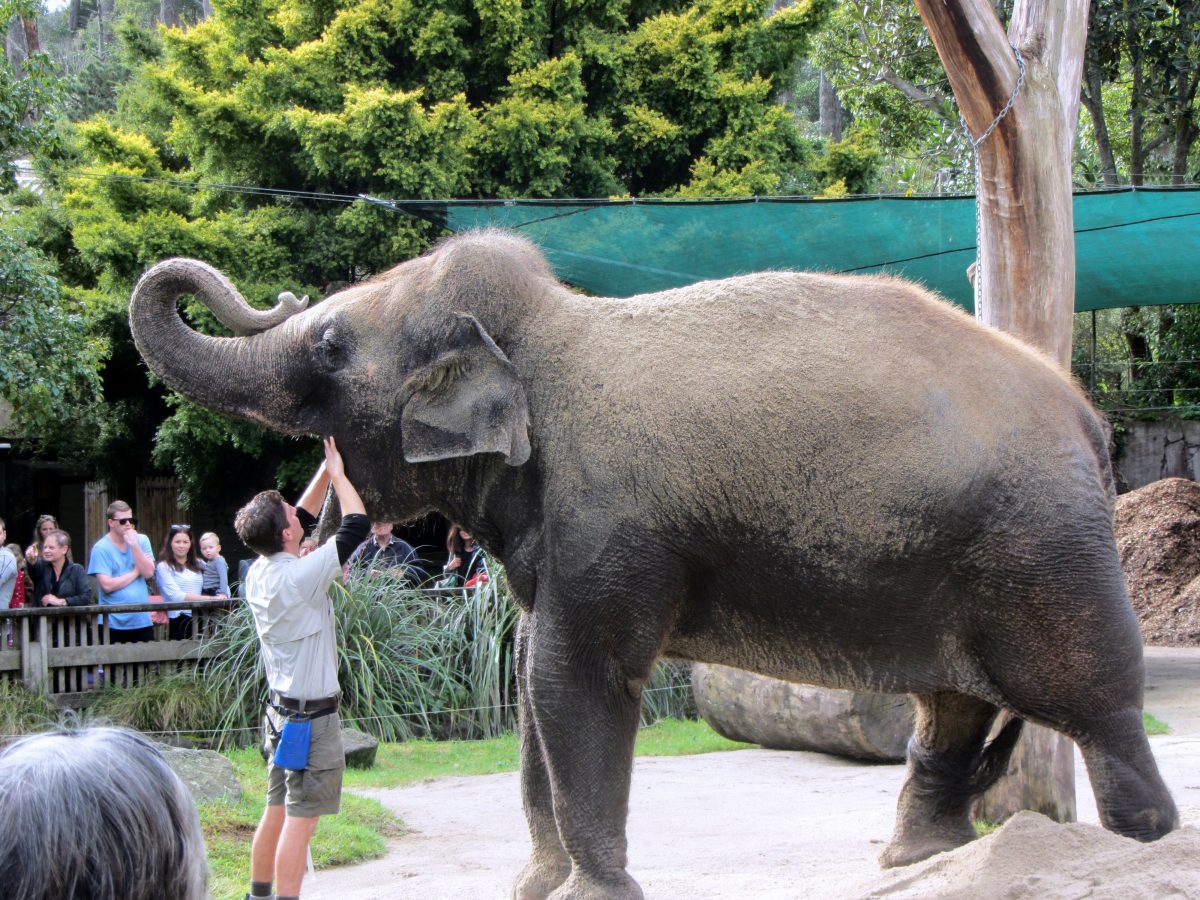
[{"x": 96, "y": 814}]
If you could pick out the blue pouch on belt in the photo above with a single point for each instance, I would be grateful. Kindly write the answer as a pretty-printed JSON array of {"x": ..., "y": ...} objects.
[{"x": 292, "y": 750}]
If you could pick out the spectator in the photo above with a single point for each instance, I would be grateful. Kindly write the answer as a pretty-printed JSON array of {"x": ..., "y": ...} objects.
[
  {"x": 8, "y": 582},
  {"x": 45, "y": 524},
  {"x": 467, "y": 565},
  {"x": 97, "y": 814},
  {"x": 289, "y": 598},
  {"x": 21, "y": 587},
  {"x": 8, "y": 571},
  {"x": 122, "y": 561},
  {"x": 180, "y": 578},
  {"x": 383, "y": 551},
  {"x": 216, "y": 570},
  {"x": 56, "y": 580}
]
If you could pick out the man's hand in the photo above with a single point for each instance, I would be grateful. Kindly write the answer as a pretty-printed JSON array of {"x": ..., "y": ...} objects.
[
  {"x": 333, "y": 459},
  {"x": 51, "y": 600}
]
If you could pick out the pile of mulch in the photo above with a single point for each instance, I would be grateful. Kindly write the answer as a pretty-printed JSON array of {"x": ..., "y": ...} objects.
[{"x": 1158, "y": 536}]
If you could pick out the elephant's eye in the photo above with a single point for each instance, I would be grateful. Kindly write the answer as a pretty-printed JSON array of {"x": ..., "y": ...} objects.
[{"x": 328, "y": 354}]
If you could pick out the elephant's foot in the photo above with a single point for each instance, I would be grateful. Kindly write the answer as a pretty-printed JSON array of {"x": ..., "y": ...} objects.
[
  {"x": 615, "y": 885},
  {"x": 911, "y": 844},
  {"x": 540, "y": 877}
]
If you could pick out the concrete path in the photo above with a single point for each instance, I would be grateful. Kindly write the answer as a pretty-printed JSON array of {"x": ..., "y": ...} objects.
[{"x": 764, "y": 824}]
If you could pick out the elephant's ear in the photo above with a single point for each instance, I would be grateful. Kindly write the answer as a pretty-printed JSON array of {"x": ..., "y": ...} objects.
[{"x": 467, "y": 401}]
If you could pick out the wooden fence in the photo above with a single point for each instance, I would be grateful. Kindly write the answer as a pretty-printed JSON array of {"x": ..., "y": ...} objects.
[{"x": 68, "y": 652}]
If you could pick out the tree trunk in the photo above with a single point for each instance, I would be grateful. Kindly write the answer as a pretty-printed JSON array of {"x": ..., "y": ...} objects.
[
  {"x": 1185, "y": 126},
  {"x": 30, "y": 27},
  {"x": 1137, "y": 153},
  {"x": 168, "y": 13},
  {"x": 1025, "y": 283},
  {"x": 830, "y": 109},
  {"x": 73, "y": 16},
  {"x": 1094, "y": 101}
]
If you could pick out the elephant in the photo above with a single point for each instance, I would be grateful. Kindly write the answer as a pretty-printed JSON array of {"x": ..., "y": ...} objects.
[{"x": 833, "y": 479}]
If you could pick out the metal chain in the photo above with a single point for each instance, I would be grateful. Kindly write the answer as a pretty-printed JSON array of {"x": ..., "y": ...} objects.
[{"x": 975, "y": 142}]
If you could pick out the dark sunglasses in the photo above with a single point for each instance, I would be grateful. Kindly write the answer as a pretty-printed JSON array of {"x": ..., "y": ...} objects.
[
  {"x": 126, "y": 521},
  {"x": 175, "y": 528}
]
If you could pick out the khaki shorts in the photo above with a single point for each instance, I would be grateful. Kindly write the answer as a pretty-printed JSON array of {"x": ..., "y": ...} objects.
[{"x": 317, "y": 791}]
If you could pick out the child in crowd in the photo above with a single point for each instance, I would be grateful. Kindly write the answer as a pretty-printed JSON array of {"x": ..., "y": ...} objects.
[{"x": 216, "y": 570}]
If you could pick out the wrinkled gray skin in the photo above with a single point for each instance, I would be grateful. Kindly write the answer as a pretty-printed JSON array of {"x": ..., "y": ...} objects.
[{"x": 921, "y": 505}]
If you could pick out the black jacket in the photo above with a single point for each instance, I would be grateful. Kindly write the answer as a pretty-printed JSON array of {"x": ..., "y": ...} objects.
[{"x": 72, "y": 586}]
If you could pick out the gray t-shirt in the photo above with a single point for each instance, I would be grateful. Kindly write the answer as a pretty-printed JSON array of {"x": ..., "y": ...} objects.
[
  {"x": 289, "y": 597},
  {"x": 8, "y": 577}
]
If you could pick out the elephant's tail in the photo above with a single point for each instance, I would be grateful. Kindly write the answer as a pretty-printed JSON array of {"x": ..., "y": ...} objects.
[{"x": 992, "y": 761}]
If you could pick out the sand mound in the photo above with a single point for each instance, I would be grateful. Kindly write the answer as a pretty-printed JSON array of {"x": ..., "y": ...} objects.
[
  {"x": 1033, "y": 857},
  {"x": 1158, "y": 536}
]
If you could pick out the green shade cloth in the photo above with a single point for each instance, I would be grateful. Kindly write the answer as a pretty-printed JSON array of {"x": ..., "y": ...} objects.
[{"x": 1133, "y": 247}]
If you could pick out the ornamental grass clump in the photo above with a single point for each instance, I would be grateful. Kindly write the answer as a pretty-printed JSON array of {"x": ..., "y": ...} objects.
[{"x": 412, "y": 662}]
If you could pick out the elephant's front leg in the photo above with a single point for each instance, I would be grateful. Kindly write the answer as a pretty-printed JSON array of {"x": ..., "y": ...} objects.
[
  {"x": 548, "y": 865},
  {"x": 586, "y": 703}
]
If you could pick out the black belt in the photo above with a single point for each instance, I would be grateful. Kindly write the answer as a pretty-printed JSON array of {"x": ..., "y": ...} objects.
[{"x": 304, "y": 706}]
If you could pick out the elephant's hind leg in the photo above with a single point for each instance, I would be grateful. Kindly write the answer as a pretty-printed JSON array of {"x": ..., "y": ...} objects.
[
  {"x": 1130, "y": 794},
  {"x": 948, "y": 766}
]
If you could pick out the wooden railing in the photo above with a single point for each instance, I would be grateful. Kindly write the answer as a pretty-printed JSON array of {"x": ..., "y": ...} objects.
[{"x": 67, "y": 650}]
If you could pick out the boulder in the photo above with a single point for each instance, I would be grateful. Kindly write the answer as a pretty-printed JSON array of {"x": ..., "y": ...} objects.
[
  {"x": 207, "y": 774},
  {"x": 360, "y": 748},
  {"x": 781, "y": 715}
]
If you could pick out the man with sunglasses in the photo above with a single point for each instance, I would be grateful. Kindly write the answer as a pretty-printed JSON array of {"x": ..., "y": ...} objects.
[{"x": 122, "y": 561}]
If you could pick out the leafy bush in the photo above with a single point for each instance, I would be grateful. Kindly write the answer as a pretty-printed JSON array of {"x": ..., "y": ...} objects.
[{"x": 412, "y": 662}]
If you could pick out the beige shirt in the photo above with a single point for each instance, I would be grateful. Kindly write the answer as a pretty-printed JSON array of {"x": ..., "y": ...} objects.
[{"x": 289, "y": 596}]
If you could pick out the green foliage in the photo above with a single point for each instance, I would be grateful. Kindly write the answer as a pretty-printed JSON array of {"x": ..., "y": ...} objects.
[
  {"x": 426, "y": 98},
  {"x": 48, "y": 360},
  {"x": 29, "y": 100},
  {"x": 889, "y": 78},
  {"x": 1154, "y": 725},
  {"x": 1145, "y": 361},
  {"x": 852, "y": 163}
]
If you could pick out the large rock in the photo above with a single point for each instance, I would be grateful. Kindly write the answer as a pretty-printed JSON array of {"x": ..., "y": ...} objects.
[
  {"x": 207, "y": 774},
  {"x": 781, "y": 715},
  {"x": 360, "y": 748}
]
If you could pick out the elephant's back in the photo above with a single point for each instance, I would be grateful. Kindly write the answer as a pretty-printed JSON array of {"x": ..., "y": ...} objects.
[{"x": 861, "y": 418}]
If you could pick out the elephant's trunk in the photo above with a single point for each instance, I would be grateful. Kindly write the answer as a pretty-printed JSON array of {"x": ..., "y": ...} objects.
[{"x": 259, "y": 377}]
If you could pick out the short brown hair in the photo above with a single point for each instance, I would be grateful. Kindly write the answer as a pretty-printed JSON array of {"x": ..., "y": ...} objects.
[
  {"x": 260, "y": 523},
  {"x": 117, "y": 506}
]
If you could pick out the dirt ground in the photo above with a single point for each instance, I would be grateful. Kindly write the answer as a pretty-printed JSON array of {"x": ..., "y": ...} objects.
[{"x": 780, "y": 825}]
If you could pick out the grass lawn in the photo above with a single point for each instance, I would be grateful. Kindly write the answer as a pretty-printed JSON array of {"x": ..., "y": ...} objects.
[{"x": 363, "y": 828}]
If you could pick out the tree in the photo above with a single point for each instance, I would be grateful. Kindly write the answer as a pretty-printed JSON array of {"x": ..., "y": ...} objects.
[
  {"x": 434, "y": 98},
  {"x": 1025, "y": 284},
  {"x": 1154, "y": 46},
  {"x": 48, "y": 361}
]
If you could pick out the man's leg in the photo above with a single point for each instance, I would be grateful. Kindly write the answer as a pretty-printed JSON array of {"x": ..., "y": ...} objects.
[
  {"x": 266, "y": 840},
  {"x": 291, "y": 857}
]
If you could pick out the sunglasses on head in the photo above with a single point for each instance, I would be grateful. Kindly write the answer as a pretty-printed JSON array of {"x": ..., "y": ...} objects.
[
  {"x": 126, "y": 520},
  {"x": 175, "y": 528}
]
